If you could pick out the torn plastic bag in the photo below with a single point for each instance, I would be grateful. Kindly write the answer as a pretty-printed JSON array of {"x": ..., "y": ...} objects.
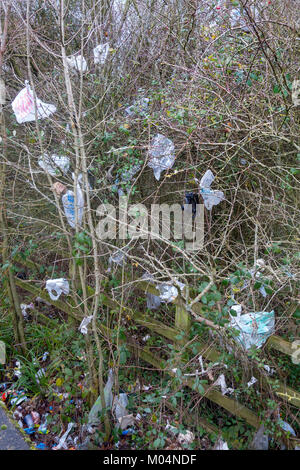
[
  {"x": 191, "y": 199},
  {"x": 62, "y": 441},
  {"x": 100, "y": 53},
  {"x": 168, "y": 293},
  {"x": 24, "y": 106},
  {"x": 221, "y": 445},
  {"x": 139, "y": 107},
  {"x": 78, "y": 63},
  {"x": 58, "y": 286},
  {"x": 260, "y": 440},
  {"x": 53, "y": 163},
  {"x": 161, "y": 155},
  {"x": 286, "y": 427},
  {"x": 224, "y": 389},
  {"x": 210, "y": 197},
  {"x": 251, "y": 382},
  {"x": 121, "y": 412},
  {"x": 153, "y": 301},
  {"x": 183, "y": 438},
  {"x": 68, "y": 201},
  {"x": 94, "y": 419},
  {"x": 255, "y": 328},
  {"x": 84, "y": 324},
  {"x": 24, "y": 308}
]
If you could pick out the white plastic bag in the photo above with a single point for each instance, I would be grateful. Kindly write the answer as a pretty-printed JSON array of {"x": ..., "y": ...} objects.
[
  {"x": 153, "y": 301},
  {"x": 78, "y": 63},
  {"x": 24, "y": 106},
  {"x": 118, "y": 257},
  {"x": 255, "y": 328},
  {"x": 83, "y": 325},
  {"x": 68, "y": 201},
  {"x": 161, "y": 155},
  {"x": 168, "y": 293},
  {"x": 210, "y": 197},
  {"x": 94, "y": 418},
  {"x": 51, "y": 163},
  {"x": 222, "y": 383},
  {"x": 221, "y": 445},
  {"x": 58, "y": 286},
  {"x": 100, "y": 53}
]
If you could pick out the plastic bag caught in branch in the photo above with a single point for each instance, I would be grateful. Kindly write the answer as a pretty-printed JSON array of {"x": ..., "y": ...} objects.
[
  {"x": 211, "y": 197},
  {"x": 168, "y": 293},
  {"x": 118, "y": 257},
  {"x": 153, "y": 301},
  {"x": 53, "y": 163},
  {"x": 58, "y": 286},
  {"x": 94, "y": 415},
  {"x": 24, "y": 106},
  {"x": 68, "y": 201},
  {"x": 224, "y": 389},
  {"x": 77, "y": 63},
  {"x": 83, "y": 325},
  {"x": 100, "y": 53},
  {"x": 254, "y": 328},
  {"x": 161, "y": 155}
]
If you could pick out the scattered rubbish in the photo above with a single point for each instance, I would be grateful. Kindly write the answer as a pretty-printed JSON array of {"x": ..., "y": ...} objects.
[
  {"x": 168, "y": 293},
  {"x": 78, "y": 63},
  {"x": 224, "y": 389},
  {"x": 161, "y": 155},
  {"x": 145, "y": 339},
  {"x": 269, "y": 370},
  {"x": 255, "y": 328},
  {"x": 211, "y": 197},
  {"x": 220, "y": 445},
  {"x": 42, "y": 429},
  {"x": 41, "y": 446},
  {"x": 17, "y": 372},
  {"x": 68, "y": 201},
  {"x": 94, "y": 415},
  {"x": 62, "y": 441},
  {"x": 260, "y": 440},
  {"x": 252, "y": 382},
  {"x": 191, "y": 199},
  {"x": 18, "y": 398},
  {"x": 50, "y": 164},
  {"x": 83, "y": 325},
  {"x": 29, "y": 421},
  {"x": 36, "y": 417},
  {"x": 140, "y": 106},
  {"x": 100, "y": 53},
  {"x": 183, "y": 438},
  {"x": 24, "y": 106},
  {"x": 128, "y": 431},
  {"x": 24, "y": 309},
  {"x": 58, "y": 286}
]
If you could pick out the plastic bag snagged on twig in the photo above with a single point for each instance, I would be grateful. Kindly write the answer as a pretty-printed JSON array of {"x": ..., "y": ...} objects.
[
  {"x": 94, "y": 418},
  {"x": 51, "y": 163},
  {"x": 221, "y": 445},
  {"x": 77, "y": 63},
  {"x": 224, "y": 389},
  {"x": 118, "y": 257},
  {"x": 255, "y": 328},
  {"x": 161, "y": 155},
  {"x": 121, "y": 413},
  {"x": 168, "y": 293},
  {"x": 211, "y": 197},
  {"x": 62, "y": 441},
  {"x": 100, "y": 53},
  {"x": 68, "y": 201},
  {"x": 58, "y": 286},
  {"x": 84, "y": 324},
  {"x": 24, "y": 106},
  {"x": 183, "y": 438}
]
